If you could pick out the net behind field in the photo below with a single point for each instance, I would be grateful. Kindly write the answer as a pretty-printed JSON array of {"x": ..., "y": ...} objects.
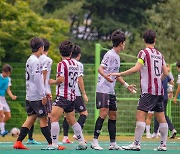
[{"x": 126, "y": 102}]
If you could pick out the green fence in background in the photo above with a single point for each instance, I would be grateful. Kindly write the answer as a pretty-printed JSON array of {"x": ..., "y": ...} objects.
[{"x": 126, "y": 102}]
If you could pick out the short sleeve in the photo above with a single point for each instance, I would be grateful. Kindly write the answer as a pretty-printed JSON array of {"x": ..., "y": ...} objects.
[
  {"x": 60, "y": 69},
  {"x": 47, "y": 64},
  {"x": 106, "y": 60},
  {"x": 141, "y": 55},
  {"x": 81, "y": 69},
  {"x": 9, "y": 83}
]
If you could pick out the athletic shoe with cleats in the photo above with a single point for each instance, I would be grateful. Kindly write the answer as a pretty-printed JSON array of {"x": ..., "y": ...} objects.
[
  {"x": 132, "y": 147},
  {"x": 60, "y": 147},
  {"x": 32, "y": 142},
  {"x": 67, "y": 141},
  {"x": 96, "y": 146},
  {"x": 148, "y": 135},
  {"x": 161, "y": 148},
  {"x": 4, "y": 133},
  {"x": 49, "y": 147},
  {"x": 74, "y": 136},
  {"x": 154, "y": 135},
  {"x": 173, "y": 134},
  {"x": 81, "y": 147},
  {"x": 19, "y": 145},
  {"x": 115, "y": 147}
]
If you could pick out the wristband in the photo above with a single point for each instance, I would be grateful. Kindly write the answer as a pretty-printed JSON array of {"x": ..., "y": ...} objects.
[{"x": 126, "y": 85}]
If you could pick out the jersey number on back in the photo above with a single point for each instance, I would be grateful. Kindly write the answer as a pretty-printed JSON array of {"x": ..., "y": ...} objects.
[{"x": 73, "y": 78}]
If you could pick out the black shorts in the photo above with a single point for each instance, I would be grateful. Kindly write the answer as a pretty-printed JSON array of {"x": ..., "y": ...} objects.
[
  {"x": 35, "y": 107},
  {"x": 148, "y": 102},
  {"x": 106, "y": 101},
  {"x": 79, "y": 104},
  {"x": 67, "y": 105}
]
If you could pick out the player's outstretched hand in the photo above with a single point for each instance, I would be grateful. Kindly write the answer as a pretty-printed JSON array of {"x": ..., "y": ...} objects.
[
  {"x": 44, "y": 100},
  {"x": 51, "y": 81},
  {"x": 108, "y": 78},
  {"x": 13, "y": 97},
  {"x": 132, "y": 88},
  {"x": 115, "y": 74},
  {"x": 49, "y": 96},
  {"x": 175, "y": 100}
]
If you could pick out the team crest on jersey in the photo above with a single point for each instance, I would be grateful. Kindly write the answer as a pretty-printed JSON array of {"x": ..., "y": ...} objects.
[
  {"x": 99, "y": 103},
  {"x": 81, "y": 107},
  {"x": 40, "y": 111}
]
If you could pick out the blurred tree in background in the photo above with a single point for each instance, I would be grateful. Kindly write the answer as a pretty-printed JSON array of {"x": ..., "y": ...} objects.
[
  {"x": 90, "y": 22},
  {"x": 18, "y": 24}
]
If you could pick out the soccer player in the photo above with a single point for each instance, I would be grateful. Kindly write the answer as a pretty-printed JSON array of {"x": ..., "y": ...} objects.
[
  {"x": 177, "y": 95},
  {"x": 5, "y": 83},
  {"x": 66, "y": 80},
  {"x": 152, "y": 68},
  {"x": 80, "y": 106},
  {"x": 105, "y": 93},
  {"x": 46, "y": 70},
  {"x": 36, "y": 96},
  {"x": 170, "y": 125}
]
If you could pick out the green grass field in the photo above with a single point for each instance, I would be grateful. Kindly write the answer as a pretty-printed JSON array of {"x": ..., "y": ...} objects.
[{"x": 147, "y": 146}]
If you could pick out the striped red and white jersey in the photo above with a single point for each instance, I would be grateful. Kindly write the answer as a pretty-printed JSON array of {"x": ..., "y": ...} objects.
[
  {"x": 68, "y": 69},
  {"x": 150, "y": 72}
]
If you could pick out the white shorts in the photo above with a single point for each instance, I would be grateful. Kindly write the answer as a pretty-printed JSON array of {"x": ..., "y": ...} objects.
[{"x": 4, "y": 105}]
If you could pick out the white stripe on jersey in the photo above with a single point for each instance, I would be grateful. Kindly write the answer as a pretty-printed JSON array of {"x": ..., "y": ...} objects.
[
  {"x": 34, "y": 79},
  {"x": 46, "y": 65},
  {"x": 150, "y": 72},
  {"x": 69, "y": 70}
]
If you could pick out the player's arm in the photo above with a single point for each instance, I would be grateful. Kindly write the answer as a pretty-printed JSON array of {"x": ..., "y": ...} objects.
[
  {"x": 106, "y": 76},
  {"x": 164, "y": 72},
  {"x": 132, "y": 70},
  {"x": 131, "y": 88},
  {"x": 59, "y": 80},
  {"x": 81, "y": 86},
  {"x": 177, "y": 94},
  {"x": 13, "y": 97},
  {"x": 44, "y": 75}
]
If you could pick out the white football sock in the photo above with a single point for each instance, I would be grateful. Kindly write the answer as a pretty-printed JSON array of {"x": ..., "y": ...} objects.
[
  {"x": 55, "y": 132},
  {"x": 2, "y": 127},
  {"x": 78, "y": 132},
  {"x": 163, "y": 128},
  {"x": 148, "y": 129},
  {"x": 139, "y": 130}
]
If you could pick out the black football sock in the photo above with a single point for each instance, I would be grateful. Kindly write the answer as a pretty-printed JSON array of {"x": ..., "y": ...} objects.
[
  {"x": 46, "y": 132},
  {"x": 112, "y": 130},
  {"x": 23, "y": 132},
  {"x": 65, "y": 127},
  {"x": 82, "y": 120},
  {"x": 98, "y": 127},
  {"x": 30, "y": 133}
]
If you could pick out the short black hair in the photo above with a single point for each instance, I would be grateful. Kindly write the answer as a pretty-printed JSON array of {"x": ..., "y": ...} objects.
[
  {"x": 117, "y": 37},
  {"x": 36, "y": 43},
  {"x": 66, "y": 48},
  {"x": 76, "y": 51},
  {"x": 149, "y": 36},
  {"x": 46, "y": 44},
  {"x": 7, "y": 68},
  {"x": 178, "y": 63}
]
